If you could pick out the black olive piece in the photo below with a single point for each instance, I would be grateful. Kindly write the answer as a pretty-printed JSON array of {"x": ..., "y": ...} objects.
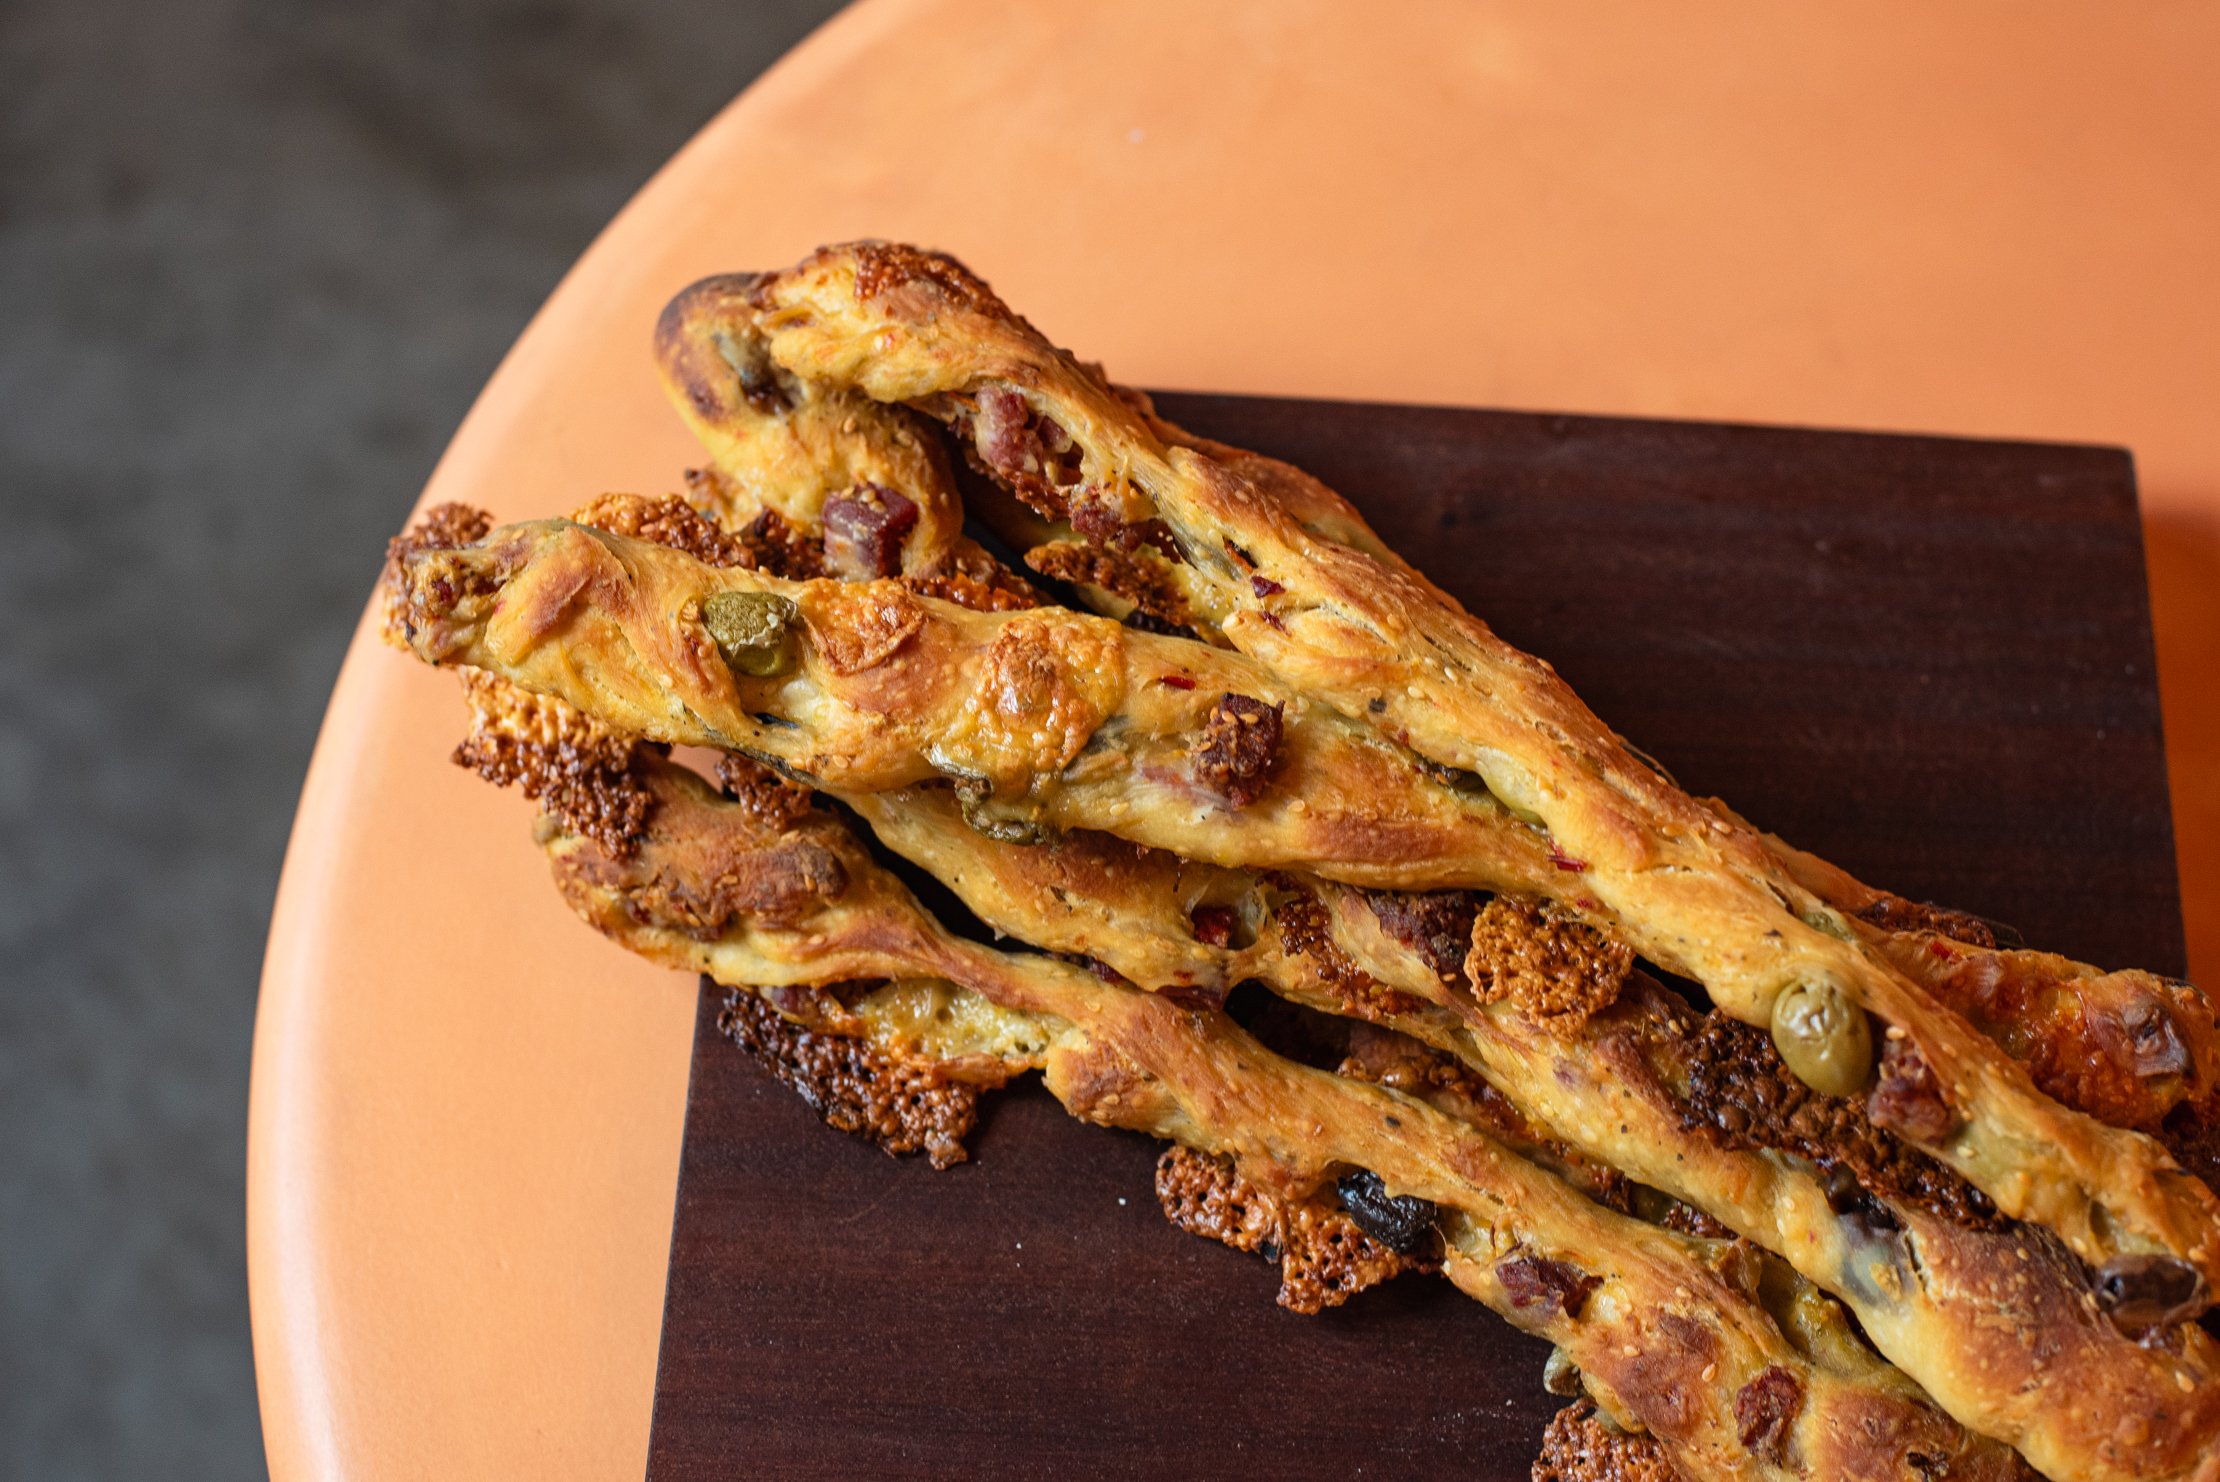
[
  {"x": 2143, "y": 1292},
  {"x": 2009, "y": 938},
  {"x": 1399, "y": 1222},
  {"x": 1149, "y": 622},
  {"x": 1844, "y": 1192}
]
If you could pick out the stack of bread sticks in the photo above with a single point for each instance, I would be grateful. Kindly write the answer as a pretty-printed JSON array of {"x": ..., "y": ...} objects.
[{"x": 1799, "y": 1178}]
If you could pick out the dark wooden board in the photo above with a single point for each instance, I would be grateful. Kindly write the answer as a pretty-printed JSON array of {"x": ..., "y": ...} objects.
[{"x": 1928, "y": 659}]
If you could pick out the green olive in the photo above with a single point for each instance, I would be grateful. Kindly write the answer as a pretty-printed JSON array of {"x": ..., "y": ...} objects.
[
  {"x": 754, "y": 631},
  {"x": 1560, "y": 1375},
  {"x": 1009, "y": 829},
  {"x": 1016, "y": 820},
  {"x": 1823, "y": 1036}
]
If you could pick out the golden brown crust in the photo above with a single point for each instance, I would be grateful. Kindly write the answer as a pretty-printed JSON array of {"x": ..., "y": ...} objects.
[
  {"x": 571, "y": 765},
  {"x": 2119, "y": 1046},
  {"x": 783, "y": 445},
  {"x": 859, "y": 628},
  {"x": 1578, "y": 1447},
  {"x": 671, "y": 521},
  {"x": 699, "y": 869},
  {"x": 1324, "y": 1256},
  {"x": 1301, "y": 928},
  {"x": 1142, "y": 576},
  {"x": 884, "y": 269},
  {"x": 1558, "y": 971},
  {"x": 903, "y": 1105}
]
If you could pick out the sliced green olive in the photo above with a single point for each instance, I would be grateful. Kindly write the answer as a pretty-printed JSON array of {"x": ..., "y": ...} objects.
[
  {"x": 1823, "y": 1037},
  {"x": 754, "y": 631},
  {"x": 1819, "y": 918},
  {"x": 1005, "y": 820},
  {"x": 1560, "y": 1375},
  {"x": 1008, "y": 829}
]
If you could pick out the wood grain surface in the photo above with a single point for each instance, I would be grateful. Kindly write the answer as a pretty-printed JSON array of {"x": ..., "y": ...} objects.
[{"x": 1928, "y": 659}]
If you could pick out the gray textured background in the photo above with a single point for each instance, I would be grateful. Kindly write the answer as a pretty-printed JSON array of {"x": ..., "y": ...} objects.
[{"x": 255, "y": 260}]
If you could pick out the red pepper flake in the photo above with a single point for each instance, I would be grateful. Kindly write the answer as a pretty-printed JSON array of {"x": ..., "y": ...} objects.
[
  {"x": 1274, "y": 619},
  {"x": 1176, "y": 681},
  {"x": 1264, "y": 586},
  {"x": 1564, "y": 861},
  {"x": 1940, "y": 949}
]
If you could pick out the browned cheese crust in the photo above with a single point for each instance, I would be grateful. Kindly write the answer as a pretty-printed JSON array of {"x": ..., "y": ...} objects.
[
  {"x": 1324, "y": 1256},
  {"x": 904, "y": 1104},
  {"x": 1386, "y": 1057},
  {"x": 1728, "y": 1081},
  {"x": 1578, "y": 1447},
  {"x": 1558, "y": 971},
  {"x": 574, "y": 767}
]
